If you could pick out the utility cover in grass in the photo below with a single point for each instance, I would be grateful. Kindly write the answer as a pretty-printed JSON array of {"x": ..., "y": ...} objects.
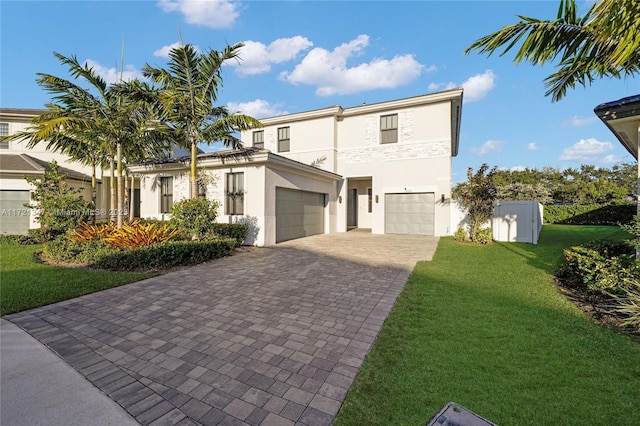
[{"x": 456, "y": 415}]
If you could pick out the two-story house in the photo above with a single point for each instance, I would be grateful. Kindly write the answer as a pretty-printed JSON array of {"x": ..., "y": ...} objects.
[{"x": 384, "y": 167}]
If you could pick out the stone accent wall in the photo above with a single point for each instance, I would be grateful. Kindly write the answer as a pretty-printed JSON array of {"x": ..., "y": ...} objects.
[{"x": 396, "y": 151}]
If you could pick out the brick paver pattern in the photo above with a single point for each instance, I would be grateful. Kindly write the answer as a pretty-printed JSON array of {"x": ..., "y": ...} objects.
[{"x": 272, "y": 336}]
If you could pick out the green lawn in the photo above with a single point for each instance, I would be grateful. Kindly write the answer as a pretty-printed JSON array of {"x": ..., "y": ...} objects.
[
  {"x": 26, "y": 283},
  {"x": 485, "y": 326}
]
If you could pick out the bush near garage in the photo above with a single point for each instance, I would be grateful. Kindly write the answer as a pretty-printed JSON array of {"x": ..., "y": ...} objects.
[{"x": 237, "y": 231}]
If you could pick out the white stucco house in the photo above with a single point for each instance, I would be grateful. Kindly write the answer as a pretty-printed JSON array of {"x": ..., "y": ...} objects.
[{"x": 384, "y": 167}]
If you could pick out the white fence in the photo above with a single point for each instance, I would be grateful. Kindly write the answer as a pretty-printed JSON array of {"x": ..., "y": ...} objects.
[{"x": 513, "y": 221}]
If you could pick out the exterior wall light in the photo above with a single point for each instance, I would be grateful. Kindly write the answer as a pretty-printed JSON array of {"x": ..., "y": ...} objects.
[
  {"x": 442, "y": 198},
  {"x": 340, "y": 199},
  {"x": 376, "y": 199}
]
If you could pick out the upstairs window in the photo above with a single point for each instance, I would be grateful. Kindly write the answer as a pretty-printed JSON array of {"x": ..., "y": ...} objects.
[
  {"x": 389, "y": 128},
  {"x": 166, "y": 194},
  {"x": 258, "y": 139},
  {"x": 4, "y": 131},
  {"x": 284, "y": 144},
  {"x": 234, "y": 203}
]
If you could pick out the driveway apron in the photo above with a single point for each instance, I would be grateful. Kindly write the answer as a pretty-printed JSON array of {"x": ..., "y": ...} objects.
[{"x": 270, "y": 336}]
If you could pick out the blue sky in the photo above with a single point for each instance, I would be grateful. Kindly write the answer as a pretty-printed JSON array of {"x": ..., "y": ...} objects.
[{"x": 302, "y": 55}]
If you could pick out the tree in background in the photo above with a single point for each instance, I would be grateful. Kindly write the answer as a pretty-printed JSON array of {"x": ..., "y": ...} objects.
[
  {"x": 584, "y": 185},
  {"x": 603, "y": 43},
  {"x": 477, "y": 198}
]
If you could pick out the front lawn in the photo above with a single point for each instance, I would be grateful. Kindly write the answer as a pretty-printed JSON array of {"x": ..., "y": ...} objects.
[
  {"x": 26, "y": 283},
  {"x": 485, "y": 326}
]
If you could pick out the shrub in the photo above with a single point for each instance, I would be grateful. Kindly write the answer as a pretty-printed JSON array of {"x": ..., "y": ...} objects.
[
  {"x": 139, "y": 234},
  {"x": 461, "y": 235},
  {"x": 592, "y": 214},
  {"x": 237, "y": 231},
  {"x": 63, "y": 249},
  {"x": 16, "y": 239},
  {"x": 59, "y": 206},
  {"x": 195, "y": 216},
  {"x": 165, "y": 255},
  {"x": 628, "y": 304},
  {"x": 484, "y": 236},
  {"x": 87, "y": 232},
  {"x": 599, "y": 267}
]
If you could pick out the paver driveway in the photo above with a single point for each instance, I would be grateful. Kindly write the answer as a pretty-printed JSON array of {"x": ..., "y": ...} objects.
[{"x": 273, "y": 336}]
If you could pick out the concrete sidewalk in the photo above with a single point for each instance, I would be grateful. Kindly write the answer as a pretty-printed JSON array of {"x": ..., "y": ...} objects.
[{"x": 38, "y": 388}]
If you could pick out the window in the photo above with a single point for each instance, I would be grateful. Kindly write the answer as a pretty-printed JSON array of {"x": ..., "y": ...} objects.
[
  {"x": 258, "y": 139},
  {"x": 4, "y": 131},
  {"x": 283, "y": 139},
  {"x": 389, "y": 128},
  {"x": 166, "y": 194},
  {"x": 369, "y": 200},
  {"x": 235, "y": 193}
]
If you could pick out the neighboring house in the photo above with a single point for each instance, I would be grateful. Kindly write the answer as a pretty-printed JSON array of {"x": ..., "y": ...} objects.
[
  {"x": 384, "y": 167},
  {"x": 622, "y": 117},
  {"x": 17, "y": 161}
]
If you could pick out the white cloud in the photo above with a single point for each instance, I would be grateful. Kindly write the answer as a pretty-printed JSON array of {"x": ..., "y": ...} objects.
[
  {"x": 112, "y": 75},
  {"x": 576, "y": 121},
  {"x": 518, "y": 168},
  {"x": 532, "y": 146},
  {"x": 258, "y": 108},
  {"x": 611, "y": 159},
  {"x": 487, "y": 147},
  {"x": 163, "y": 52},
  {"x": 587, "y": 150},
  {"x": 210, "y": 13},
  {"x": 256, "y": 57},
  {"x": 329, "y": 71},
  {"x": 475, "y": 87}
]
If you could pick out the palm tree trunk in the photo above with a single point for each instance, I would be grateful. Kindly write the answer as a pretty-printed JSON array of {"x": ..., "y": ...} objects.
[
  {"x": 120, "y": 206},
  {"x": 194, "y": 170},
  {"x": 94, "y": 191},
  {"x": 112, "y": 186},
  {"x": 132, "y": 197}
]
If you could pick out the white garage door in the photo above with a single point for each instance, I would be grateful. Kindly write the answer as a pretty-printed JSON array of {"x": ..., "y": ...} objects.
[
  {"x": 409, "y": 213},
  {"x": 15, "y": 216},
  {"x": 298, "y": 214}
]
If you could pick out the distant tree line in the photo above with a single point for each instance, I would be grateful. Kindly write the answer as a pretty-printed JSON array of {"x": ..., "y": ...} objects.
[{"x": 584, "y": 185}]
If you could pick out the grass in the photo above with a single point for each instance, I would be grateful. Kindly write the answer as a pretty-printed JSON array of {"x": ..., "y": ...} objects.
[
  {"x": 26, "y": 283},
  {"x": 485, "y": 326}
]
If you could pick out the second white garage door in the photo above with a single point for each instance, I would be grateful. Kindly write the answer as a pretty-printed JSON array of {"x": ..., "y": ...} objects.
[
  {"x": 15, "y": 216},
  {"x": 409, "y": 213},
  {"x": 298, "y": 214}
]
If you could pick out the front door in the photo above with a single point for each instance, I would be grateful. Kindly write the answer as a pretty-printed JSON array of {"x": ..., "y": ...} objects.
[{"x": 352, "y": 208}]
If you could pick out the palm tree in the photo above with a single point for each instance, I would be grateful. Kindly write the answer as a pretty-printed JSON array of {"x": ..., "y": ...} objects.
[
  {"x": 603, "y": 43},
  {"x": 108, "y": 124},
  {"x": 188, "y": 91}
]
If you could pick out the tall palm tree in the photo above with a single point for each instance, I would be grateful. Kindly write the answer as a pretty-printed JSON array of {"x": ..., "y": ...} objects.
[
  {"x": 107, "y": 122},
  {"x": 188, "y": 92},
  {"x": 603, "y": 43}
]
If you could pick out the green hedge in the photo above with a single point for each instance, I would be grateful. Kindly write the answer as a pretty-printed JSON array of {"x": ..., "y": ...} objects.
[
  {"x": 237, "y": 231},
  {"x": 98, "y": 254},
  {"x": 166, "y": 255},
  {"x": 590, "y": 214}
]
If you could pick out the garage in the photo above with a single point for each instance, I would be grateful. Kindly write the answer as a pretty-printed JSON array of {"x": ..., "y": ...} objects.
[
  {"x": 409, "y": 213},
  {"x": 15, "y": 216},
  {"x": 298, "y": 214}
]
